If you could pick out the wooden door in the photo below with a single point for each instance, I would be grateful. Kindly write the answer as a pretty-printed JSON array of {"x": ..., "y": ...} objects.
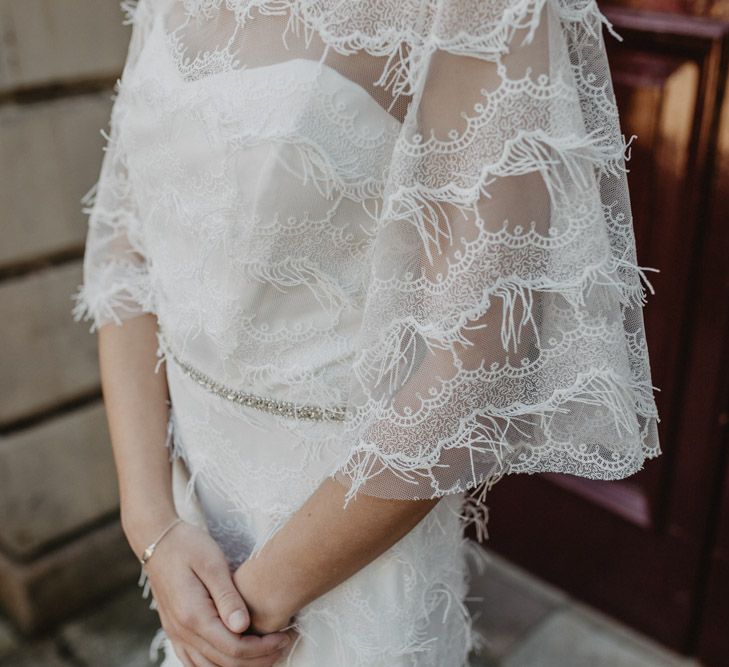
[{"x": 637, "y": 548}]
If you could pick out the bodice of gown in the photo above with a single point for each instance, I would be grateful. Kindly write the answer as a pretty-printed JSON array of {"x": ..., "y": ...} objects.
[{"x": 256, "y": 191}]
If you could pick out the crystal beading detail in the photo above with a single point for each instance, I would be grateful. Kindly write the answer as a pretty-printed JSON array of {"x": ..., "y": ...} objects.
[{"x": 274, "y": 406}]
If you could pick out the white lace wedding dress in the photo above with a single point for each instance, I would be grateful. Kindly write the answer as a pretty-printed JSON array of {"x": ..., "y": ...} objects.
[{"x": 385, "y": 241}]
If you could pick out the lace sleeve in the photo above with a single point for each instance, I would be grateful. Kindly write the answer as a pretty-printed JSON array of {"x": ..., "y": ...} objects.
[
  {"x": 115, "y": 278},
  {"x": 503, "y": 326}
]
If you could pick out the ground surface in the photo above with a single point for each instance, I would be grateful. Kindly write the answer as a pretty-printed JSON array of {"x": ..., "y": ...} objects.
[{"x": 527, "y": 623}]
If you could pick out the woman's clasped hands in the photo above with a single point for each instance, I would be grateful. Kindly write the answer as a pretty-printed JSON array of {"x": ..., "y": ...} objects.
[{"x": 202, "y": 611}]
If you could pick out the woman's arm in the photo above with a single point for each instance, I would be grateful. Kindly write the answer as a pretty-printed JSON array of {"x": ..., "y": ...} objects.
[
  {"x": 136, "y": 400},
  {"x": 319, "y": 547},
  {"x": 199, "y": 606}
]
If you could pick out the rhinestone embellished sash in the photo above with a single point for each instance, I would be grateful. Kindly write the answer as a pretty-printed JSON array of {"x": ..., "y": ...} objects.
[{"x": 274, "y": 406}]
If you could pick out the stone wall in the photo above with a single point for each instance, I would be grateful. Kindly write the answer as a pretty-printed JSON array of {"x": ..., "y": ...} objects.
[{"x": 60, "y": 541}]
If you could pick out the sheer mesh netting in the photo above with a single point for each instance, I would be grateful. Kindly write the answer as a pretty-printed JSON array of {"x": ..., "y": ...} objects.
[{"x": 416, "y": 210}]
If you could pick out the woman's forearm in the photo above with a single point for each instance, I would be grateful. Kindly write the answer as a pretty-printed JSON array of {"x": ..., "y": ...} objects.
[
  {"x": 136, "y": 400},
  {"x": 319, "y": 547}
]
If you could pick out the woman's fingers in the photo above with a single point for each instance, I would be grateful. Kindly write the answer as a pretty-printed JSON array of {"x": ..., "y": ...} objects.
[
  {"x": 220, "y": 649},
  {"x": 196, "y": 595},
  {"x": 231, "y": 608},
  {"x": 182, "y": 656},
  {"x": 226, "y": 600},
  {"x": 191, "y": 617},
  {"x": 265, "y": 645},
  {"x": 268, "y": 661},
  {"x": 199, "y": 659},
  {"x": 202, "y": 628}
]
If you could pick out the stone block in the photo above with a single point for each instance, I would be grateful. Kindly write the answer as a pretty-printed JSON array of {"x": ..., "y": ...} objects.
[
  {"x": 115, "y": 634},
  {"x": 41, "y": 654},
  {"x": 39, "y": 593},
  {"x": 507, "y": 603},
  {"x": 8, "y": 640},
  {"x": 52, "y": 154},
  {"x": 574, "y": 637},
  {"x": 45, "y": 357},
  {"x": 55, "y": 479},
  {"x": 46, "y": 41}
]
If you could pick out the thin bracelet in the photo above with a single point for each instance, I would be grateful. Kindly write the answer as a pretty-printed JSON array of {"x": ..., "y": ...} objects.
[{"x": 147, "y": 554}]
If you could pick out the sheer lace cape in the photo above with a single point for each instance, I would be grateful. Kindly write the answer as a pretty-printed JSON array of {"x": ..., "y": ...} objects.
[{"x": 499, "y": 299}]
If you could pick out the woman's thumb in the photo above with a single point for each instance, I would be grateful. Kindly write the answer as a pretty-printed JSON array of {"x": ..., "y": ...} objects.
[
  {"x": 228, "y": 601},
  {"x": 237, "y": 620}
]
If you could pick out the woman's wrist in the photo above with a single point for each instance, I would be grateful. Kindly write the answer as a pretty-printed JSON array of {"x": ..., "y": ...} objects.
[
  {"x": 270, "y": 606},
  {"x": 142, "y": 525}
]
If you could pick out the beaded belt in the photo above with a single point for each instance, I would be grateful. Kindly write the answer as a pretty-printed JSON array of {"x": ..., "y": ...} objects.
[{"x": 274, "y": 406}]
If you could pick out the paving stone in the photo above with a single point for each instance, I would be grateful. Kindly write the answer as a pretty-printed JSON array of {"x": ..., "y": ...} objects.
[
  {"x": 55, "y": 479},
  {"x": 45, "y": 357},
  {"x": 39, "y": 593},
  {"x": 513, "y": 603},
  {"x": 57, "y": 151},
  {"x": 117, "y": 634},
  {"x": 38, "y": 654},
  {"x": 624, "y": 633},
  {"x": 572, "y": 638},
  {"x": 8, "y": 640},
  {"x": 44, "y": 41}
]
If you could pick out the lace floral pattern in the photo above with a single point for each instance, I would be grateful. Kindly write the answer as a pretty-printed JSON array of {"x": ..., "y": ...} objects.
[{"x": 458, "y": 265}]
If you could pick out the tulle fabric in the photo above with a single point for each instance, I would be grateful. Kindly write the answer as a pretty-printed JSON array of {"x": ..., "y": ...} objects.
[{"x": 417, "y": 210}]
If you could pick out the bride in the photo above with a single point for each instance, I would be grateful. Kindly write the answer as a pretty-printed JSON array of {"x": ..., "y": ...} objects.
[{"x": 350, "y": 263}]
